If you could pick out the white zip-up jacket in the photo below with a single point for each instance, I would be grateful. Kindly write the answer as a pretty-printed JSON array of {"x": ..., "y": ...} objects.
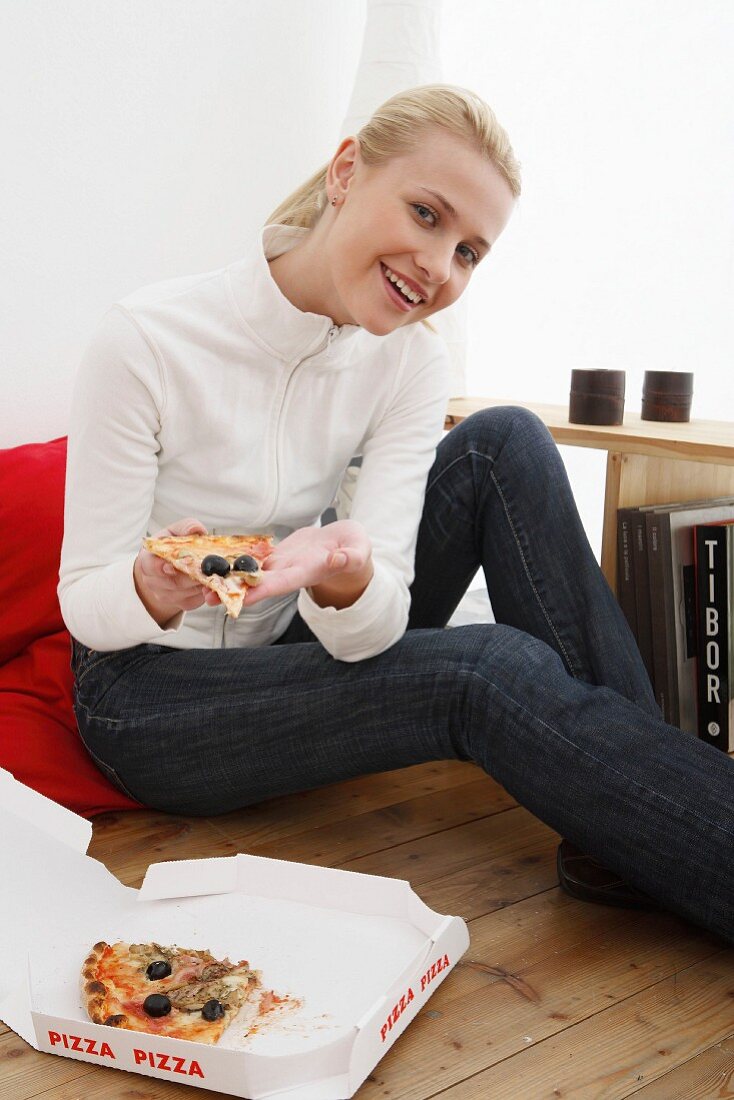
[{"x": 213, "y": 396}]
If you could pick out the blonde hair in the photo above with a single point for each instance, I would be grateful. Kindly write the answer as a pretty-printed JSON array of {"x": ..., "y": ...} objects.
[{"x": 397, "y": 128}]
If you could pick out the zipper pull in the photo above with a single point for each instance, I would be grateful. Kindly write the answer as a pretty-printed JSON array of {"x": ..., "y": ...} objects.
[{"x": 332, "y": 333}]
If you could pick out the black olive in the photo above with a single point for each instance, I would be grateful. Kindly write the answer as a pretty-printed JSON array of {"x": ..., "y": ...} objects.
[
  {"x": 157, "y": 970},
  {"x": 212, "y": 1010},
  {"x": 245, "y": 564},
  {"x": 157, "y": 1004},
  {"x": 212, "y": 563}
]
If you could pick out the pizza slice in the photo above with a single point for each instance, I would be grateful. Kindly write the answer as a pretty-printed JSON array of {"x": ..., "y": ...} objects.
[
  {"x": 182, "y": 993},
  {"x": 228, "y": 564}
]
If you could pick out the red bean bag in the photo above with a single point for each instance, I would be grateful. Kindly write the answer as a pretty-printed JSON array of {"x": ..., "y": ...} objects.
[{"x": 39, "y": 743}]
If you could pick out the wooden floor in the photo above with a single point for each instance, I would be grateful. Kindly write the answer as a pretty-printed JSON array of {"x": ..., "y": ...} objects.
[{"x": 554, "y": 998}]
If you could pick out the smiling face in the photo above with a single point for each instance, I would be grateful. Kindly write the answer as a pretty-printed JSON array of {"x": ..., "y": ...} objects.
[{"x": 389, "y": 217}]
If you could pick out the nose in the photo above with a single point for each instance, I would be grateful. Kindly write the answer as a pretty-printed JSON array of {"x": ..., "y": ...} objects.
[{"x": 435, "y": 261}]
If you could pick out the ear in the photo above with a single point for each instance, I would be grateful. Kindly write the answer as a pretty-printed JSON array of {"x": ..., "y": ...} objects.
[{"x": 343, "y": 165}]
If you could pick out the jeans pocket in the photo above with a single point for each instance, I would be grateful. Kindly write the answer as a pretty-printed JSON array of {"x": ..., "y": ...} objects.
[{"x": 83, "y": 659}]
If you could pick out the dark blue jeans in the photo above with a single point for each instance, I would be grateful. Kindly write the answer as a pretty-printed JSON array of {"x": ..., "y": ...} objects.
[{"x": 552, "y": 700}]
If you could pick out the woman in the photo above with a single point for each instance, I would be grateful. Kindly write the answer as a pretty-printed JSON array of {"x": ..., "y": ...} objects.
[{"x": 237, "y": 398}]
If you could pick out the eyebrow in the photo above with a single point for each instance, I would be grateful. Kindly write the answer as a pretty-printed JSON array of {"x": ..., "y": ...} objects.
[{"x": 450, "y": 210}]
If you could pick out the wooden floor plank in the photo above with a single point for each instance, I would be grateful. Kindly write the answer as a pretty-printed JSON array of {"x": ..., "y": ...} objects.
[
  {"x": 708, "y": 1074},
  {"x": 114, "y": 1084},
  {"x": 281, "y": 817},
  {"x": 629, "y": 1043},
  {"x": 365, "y": 822},
  {"x": 340, "y": 841},
  {"x": 144, "y": 837},
  {"x": 24, "y": 1072},
  {"x": 473, "y": 868}
]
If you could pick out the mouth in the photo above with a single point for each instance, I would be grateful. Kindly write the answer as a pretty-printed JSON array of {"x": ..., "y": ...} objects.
[{"x": 398, "y": 296}]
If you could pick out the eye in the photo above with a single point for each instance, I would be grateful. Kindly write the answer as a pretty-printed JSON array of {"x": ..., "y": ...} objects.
[
  {"x": 419, "y": 206},
  {"x": 472, "y": 258}
]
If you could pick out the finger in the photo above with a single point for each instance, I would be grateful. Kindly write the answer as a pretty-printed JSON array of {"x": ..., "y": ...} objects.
[
  {"x": 167, "y": 574},
  {"x": 190, "y": 603},
  {"x": 276, "y": 584},
  {"x": 188, "y": 526},
  {"x": 348, "y": 559}
]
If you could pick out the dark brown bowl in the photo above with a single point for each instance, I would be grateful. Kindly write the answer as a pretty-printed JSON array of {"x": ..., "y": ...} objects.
[
  {"x": 667, "y": 396},
  {"x": 597, "y": 397}
]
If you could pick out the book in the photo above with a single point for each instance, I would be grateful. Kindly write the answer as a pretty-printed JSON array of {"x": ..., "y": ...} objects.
[
  {"x": 625, "y": 568},
  {"x": 649, "y": 629},
  {"x": 681, "y": 580},
  {"x": 642, "y": 590},
  {"x": 714, "y": 549},
  {"x": 662, "y": 612}
]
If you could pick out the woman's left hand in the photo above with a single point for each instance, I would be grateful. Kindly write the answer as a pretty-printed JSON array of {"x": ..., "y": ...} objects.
[{"x": 315, "y": 555}]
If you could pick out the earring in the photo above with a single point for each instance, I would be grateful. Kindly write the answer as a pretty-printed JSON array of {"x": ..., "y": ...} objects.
[{"x": 333, "y": 201}]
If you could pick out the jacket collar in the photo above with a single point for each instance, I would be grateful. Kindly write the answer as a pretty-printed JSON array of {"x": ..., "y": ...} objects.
[{"x": 266, "y": 313}]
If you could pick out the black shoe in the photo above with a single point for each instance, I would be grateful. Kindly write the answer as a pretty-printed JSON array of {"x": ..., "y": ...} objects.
[{"x": 584, "y": 878}]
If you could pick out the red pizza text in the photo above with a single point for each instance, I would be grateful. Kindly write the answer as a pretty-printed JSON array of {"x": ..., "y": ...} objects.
[
  {"x": 396, "y": 1013},
  {"x": 81, "y": 1044},
  {"x": 430, "y": 974},
  {"x": 400, "y": 1007},
  {"x": 170, "y": 1062}
]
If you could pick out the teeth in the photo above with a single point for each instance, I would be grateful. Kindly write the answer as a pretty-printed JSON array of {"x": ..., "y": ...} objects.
[{"x": 402, "y": 286}]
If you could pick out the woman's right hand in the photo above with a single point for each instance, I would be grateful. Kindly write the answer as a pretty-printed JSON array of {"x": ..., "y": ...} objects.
[{"x": 163, "y": 590}]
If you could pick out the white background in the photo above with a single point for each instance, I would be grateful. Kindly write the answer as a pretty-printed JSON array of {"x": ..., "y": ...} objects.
[{"x": 144, "y": 139}]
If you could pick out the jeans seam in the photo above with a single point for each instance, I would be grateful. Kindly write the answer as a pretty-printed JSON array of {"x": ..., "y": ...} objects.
[
  {"x": 546, "y": 614},
  {"x": 95, "y": 665},
  {"x": 139, "y": 720},
  {"x": 459, "y": 458},
  {"x": 104, "y": 767},
  {"x": 580, "y": 749}
]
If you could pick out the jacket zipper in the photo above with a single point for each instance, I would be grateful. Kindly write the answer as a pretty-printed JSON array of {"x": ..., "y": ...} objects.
[
  {"x": 298, "y": 363},
  {"x": 333, "y": 331}
]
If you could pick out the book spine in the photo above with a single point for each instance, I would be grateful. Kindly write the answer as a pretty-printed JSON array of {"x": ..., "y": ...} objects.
[
  {"x": 668, "y": 594},
  {"x": 625, "y": 568},
  {"x": 657, "y": 615},
  {"x": 713, "y": 634},
  {"x": 642, "y": 592}
]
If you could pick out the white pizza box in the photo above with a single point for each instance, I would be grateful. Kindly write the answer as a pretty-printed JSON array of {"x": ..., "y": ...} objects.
[{"x": 354, "y": 957}]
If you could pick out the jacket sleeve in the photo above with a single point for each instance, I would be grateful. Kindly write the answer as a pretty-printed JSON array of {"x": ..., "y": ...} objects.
[
  {"x": 112, "y": 464},
  {"x": 388, "y": 500}
]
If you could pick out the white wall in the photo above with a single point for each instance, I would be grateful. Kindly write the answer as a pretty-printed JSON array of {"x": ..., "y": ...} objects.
[{"x": 143, "y": 139}]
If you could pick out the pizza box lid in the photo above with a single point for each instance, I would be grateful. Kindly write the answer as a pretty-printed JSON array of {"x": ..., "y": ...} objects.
[{"x": 353, "y": 957}]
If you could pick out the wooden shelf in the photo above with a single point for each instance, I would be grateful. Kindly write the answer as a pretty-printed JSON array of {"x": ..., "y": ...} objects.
[{"x": 700, "y": 440}]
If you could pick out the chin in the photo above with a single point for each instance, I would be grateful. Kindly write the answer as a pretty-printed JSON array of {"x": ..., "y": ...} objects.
[
  {"x": 383, "y": 326},
  {"x": 379, "y": 328}
]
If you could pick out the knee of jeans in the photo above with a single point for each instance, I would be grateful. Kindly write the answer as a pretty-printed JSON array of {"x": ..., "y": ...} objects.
[
  {"x": 498, "y": 652},
  {"x": 489, "y": 430},
  {"x": 506, "y": 667}
]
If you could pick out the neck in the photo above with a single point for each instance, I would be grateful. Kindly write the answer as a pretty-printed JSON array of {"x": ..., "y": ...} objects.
[{"x": 301, "y": 276}]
